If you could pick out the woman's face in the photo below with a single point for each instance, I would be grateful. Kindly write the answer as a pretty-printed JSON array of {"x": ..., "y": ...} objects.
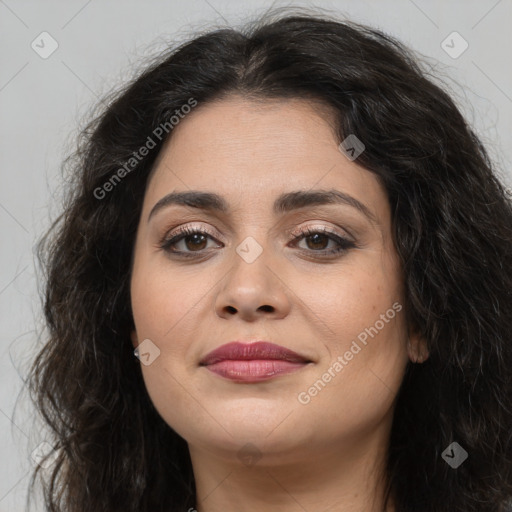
[{"x": 333, "y": 296}]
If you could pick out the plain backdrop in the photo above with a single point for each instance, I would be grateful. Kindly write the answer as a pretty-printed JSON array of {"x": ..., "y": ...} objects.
[{"x": 100, "y": 44}]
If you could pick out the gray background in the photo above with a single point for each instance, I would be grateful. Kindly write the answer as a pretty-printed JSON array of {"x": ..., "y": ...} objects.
[{"x": 42, "y": 102}]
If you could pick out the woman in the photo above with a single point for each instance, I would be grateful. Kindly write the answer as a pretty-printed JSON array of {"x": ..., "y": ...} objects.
[{"x": 307, "y": 250}]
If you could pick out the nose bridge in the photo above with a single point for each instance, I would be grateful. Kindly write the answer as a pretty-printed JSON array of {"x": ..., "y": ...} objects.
[
  {"x": 249, "y": 271},
  {"x": 250, "y": 286}
]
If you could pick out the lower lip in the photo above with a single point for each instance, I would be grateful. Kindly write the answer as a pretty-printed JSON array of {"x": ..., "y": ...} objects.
[{"x": 254, "y": 370}]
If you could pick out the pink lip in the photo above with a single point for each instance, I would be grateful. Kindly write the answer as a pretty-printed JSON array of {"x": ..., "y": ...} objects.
[{"x": 252, "y": 362}]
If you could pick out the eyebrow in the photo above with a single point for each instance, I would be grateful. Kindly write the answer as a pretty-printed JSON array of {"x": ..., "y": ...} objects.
[{"x": 286, "y": 202}]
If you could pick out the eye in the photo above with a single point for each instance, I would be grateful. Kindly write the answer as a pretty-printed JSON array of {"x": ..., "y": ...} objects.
[
  {"x": 191, "y": 240},
  {"x": 187, "y": 241},
  {"x": 317, "y": 240}
]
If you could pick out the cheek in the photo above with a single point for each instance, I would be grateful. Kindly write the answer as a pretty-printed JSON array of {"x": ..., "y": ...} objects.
[
  {"x": 163, "y": 306},
  {"x": 165, "y": 309},
  {"x": 355, "y": 386},
  {"x": 162, "y": 300},
  {"x": 362, "y": 314},
  {"x": 347, "y": 303}
]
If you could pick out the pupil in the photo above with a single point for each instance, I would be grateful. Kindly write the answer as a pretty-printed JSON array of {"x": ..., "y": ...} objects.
[
  {"x": 195, "y": 237},
  {"x": 317, "y": 238}
]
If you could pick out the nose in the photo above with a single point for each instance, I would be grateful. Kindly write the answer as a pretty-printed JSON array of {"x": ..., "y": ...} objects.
[{"x": 253, "y": 290}]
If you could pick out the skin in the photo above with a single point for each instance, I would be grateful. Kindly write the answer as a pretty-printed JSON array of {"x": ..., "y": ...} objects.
[{"x": 328, "y": 454}]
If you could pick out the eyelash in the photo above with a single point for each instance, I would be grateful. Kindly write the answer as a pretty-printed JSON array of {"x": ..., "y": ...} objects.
[{"x": 344, "y": 244}]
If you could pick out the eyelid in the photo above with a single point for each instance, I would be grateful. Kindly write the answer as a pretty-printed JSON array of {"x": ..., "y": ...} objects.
[
  {"x": 298, "y": 231},
  {"x": 291, "y": 232},
  {"x": 191, "y": 226}
]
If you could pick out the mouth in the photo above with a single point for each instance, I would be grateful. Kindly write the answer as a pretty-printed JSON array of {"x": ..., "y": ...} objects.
[{"x": 253, "y": 362}]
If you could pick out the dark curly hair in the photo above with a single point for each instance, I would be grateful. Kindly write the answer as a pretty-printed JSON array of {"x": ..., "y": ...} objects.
[{"x": 452, "y": 230}]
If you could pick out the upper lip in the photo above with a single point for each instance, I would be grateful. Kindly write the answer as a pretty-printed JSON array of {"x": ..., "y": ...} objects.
[{"x": 244, "y": 351}]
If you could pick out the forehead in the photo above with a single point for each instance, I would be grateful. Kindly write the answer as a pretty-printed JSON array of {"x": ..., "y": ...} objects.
[{"x": 252, "y": 151}]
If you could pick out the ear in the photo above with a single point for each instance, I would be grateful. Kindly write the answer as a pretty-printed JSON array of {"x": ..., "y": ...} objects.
[{"x": 417, "y": 348}]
